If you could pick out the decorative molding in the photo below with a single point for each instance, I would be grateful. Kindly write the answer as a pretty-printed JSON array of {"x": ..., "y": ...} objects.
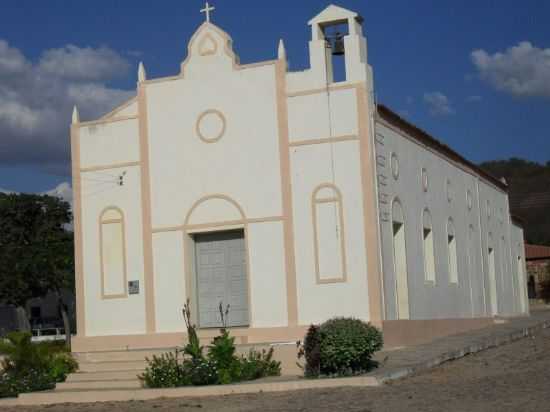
[
  {"x": 201, "y": 118},
  {"x": 339, "y": 204},
  {"x": 330, "y": 88},
  {"x": 119, "y": 108},
  {"x": 148, "y": 267},
  {"x": 102, "y": 222},
  {"x": 306, "y": 142},
  {"x": 109, "y": 166},
  {"x": 286, "y": 191},
  {"x": 107, "y": 121},
  {"x": 224, "y": 223},
  {"x": 203, "y": 46},
  {"x": 77, "y": 223}
]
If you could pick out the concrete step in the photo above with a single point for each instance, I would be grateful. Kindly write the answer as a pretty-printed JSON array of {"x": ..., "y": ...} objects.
[
  {"x": 102, "y": 384},
  {"x": 119, "y": 356},
  {"x": 103, "y": 376},
  {"x": 136, "y": 365}
]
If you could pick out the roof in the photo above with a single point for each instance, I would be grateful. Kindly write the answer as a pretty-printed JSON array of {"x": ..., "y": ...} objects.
[
  {"x": 534, "y": 252},
  {"x": 426, "y": 139},
  {"x": 334, "y": 13}
]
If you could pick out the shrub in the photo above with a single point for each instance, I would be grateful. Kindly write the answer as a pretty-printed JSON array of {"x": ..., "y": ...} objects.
[
  {"x": 220, "y": 365},
  {"x": 30, "y": 367},
  {"x": 340, "y": 347},
  {"x": 347, "y": 346},
  {"x": 164, "y": 371},
  {"x": 312, "y": 352},
  {"x": 257, "y": 365}
]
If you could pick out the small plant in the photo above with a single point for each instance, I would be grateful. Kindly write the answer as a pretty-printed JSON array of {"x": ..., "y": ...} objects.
[
  {"x": 30, "y": 367},
  {"x": 164, "y": 371},
  {"x": 340, "y": 347},
  {"x": 219, "y": 366}
]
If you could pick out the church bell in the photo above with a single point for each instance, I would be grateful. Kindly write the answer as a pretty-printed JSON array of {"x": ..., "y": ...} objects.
[{"x": 338, "y": 48}]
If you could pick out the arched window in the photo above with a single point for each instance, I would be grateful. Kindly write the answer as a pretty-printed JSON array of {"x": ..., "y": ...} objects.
[
  {"x": 328, "y": 232},
  {"x": 112, "y": 254},
  {"x": 451, "y": 250},
  {"x": 428, "y": 243},
  {"x": 400, "y": 260}
]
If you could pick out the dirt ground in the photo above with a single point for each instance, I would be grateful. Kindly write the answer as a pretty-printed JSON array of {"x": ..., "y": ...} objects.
[{"x": 514, "y": 377}]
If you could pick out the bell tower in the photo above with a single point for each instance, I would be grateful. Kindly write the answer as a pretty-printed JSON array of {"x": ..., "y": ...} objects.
[{"x": 338, "y": 32}]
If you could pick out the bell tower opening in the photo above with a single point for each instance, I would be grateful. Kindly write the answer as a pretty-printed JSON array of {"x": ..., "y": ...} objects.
[{"x": 336, "y": 50}]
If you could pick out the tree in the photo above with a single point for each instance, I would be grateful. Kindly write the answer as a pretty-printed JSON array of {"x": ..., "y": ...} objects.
[{"x": 36, "y": 251}]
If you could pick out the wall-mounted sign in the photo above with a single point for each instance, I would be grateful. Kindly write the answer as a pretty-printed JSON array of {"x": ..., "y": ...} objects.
[{"x": 133, "y": 287}]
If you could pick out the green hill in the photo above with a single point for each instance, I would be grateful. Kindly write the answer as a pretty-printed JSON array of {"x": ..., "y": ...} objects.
[{"x": 529, "y": 184}]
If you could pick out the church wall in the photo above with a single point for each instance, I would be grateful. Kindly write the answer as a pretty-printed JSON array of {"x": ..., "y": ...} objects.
[
  {"x": 244, "y": 161},
  {"x": 170, "y": 287},
  {"x": 442, "y": 299},
  {"x": 104, "y": 144},
  {"x": 311, "y": 166},
  {"x": 124, "y": 314},
  {"x": 212, "y": 185}
]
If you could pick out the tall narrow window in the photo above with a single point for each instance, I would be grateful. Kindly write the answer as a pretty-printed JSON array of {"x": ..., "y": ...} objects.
[
  {"x": 451, "y": 250},
  {"x": 328, "y": 231},
  {"x": 400, "y": 261},
  {"x": 492, "y": 278},
  {"x": 429, "y": 250},
  {"x": 521, "y": 282},
  {"x": 113, "y": 254}
]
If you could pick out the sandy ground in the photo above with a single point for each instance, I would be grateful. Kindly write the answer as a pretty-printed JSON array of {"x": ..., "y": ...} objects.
[{"x": 514, "y": 377}]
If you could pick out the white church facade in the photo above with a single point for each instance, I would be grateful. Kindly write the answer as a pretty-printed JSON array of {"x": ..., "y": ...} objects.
[{"x": 289, "y": 196}]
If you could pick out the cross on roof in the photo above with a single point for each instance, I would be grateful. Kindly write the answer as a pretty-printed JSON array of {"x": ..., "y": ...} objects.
[{"x": 207, "y": 9}]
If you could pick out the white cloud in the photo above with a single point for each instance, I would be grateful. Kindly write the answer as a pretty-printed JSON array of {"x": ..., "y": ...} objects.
[
  {"x": 36, "y": 100},
  {"x": 72, "y": 62},
  {"x": 438, "y": 104},
  {"x": 522, "y": 70},
  {"x": 64, "y": 191}
]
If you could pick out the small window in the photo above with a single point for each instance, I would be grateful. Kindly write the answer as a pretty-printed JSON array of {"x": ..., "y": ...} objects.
[
  {"x": 469, "y": 199},
  {"x": 450, "y": 193},
  {"x": 429, "y": 249},
  {"x": 424, "y": 179},
  {"x": 452, "y": 255},
  {"x": 394, "y": 166}
]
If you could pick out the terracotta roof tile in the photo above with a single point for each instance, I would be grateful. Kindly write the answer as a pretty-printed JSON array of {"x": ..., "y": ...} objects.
[{"x": 537, "y": 252}]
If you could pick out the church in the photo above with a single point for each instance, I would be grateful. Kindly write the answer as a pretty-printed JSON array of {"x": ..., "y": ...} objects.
[{"x": 291, "y": 196}]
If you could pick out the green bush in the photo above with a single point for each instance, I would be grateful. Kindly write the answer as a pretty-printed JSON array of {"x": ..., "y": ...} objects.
[
  {"x": 164, "y": 371},
  {"x": 340, "y": 347},
  {"x": 30, "y": 367},
  {"x": 219, "y": 366}
]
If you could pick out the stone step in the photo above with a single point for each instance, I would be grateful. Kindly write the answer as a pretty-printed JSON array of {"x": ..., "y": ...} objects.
[
  {"x": 102, "y": 384},
  {"x": 137, "y": 365},
  {"x": 113, "y": 356},
  {"x": 103, "y": 376}
]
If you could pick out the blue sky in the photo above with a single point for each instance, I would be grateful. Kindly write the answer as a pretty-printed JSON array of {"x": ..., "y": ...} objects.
[{"x": 474, "y": 74}]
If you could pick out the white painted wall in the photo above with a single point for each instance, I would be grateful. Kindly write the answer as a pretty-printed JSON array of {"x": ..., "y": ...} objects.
[
  {"x": 311, "y": 166},
  {"x": 470, "y": 298},
  {"x": 109, "y": 143},
  {"x": 170, "y": 287},
  {"x": 122, "y": 315}
]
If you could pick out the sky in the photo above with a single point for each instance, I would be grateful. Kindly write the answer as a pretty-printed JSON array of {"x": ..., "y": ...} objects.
[{"x": 476, "y": 75}]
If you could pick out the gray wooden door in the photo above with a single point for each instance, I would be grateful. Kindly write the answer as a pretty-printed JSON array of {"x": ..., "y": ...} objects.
[{"x": 221, "y": 277}]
